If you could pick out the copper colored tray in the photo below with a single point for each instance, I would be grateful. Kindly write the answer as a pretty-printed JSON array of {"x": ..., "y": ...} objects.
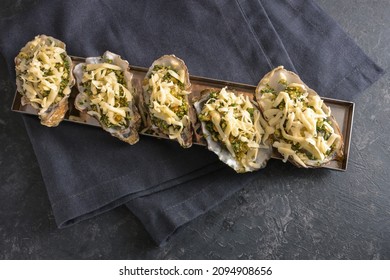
[{"x": 342, "y": 110}]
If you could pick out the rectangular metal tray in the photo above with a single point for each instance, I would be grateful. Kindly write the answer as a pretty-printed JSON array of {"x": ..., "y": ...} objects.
[{"x": 342, "y": 110}]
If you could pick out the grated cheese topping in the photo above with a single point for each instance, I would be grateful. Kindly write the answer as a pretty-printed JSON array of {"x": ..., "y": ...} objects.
[
  {"x": 43, "y": 73},
  {"x": 106, "y": 95},
  {"x": 233, "y": 121},
  {"x": 299, "y": 122},
  {"x": 167, "y": 102}
]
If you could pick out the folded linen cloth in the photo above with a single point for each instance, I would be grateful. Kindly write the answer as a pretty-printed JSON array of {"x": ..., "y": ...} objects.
[{"x": 87, "y": 172}]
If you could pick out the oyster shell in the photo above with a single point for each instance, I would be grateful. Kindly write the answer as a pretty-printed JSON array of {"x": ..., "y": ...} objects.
[
  {"x": 301, "y": 126},
  {"x": 44, "y": 78},
  {"x": 165, "y": 90},
  {"x": 232, "y": 126},
  {"x": 107, "y": 94}
]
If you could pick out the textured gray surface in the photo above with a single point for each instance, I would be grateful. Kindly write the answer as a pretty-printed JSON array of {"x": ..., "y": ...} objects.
[{"x": 292, "y": 214}]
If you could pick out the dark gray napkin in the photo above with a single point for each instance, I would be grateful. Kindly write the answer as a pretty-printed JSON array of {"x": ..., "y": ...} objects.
[{"x": 86, "y": 171}]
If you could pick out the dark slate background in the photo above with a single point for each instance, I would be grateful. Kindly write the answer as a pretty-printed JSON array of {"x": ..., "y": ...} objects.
[{"x": 300, "y": 214}]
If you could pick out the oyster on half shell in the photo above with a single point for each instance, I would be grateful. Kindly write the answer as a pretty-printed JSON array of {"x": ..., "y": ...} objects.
[
  {"x": 233, "y": 128},
  {"x": 300, "y": 125},
  {"x": 165, "y": 95},
  {"x": 44, "y": 78},
  {"x": 107, "y": 94}
]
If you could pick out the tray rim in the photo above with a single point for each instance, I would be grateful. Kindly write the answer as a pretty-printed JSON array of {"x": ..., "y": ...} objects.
[{"x": 348, "y": 105}]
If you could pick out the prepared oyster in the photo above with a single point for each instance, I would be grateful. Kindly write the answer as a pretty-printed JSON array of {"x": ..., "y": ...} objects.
[
  {"x": 300, "y": 125},
  {"x": 165, "y": 89},
  {"x": 233, "y": 128},
  {"x": 44, "y": 78},
  {"x": 107, "y": 94}
]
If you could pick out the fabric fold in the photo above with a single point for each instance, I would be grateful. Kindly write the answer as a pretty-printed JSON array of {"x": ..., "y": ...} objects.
[
  {"x": 89, "y": 182},
  {"x": 263, "y": 31},
  {"x": 322, "y": 53},
  {"x": 175, "y": 207}
]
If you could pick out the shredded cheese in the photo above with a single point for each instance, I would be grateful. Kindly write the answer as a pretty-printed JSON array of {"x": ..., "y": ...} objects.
[
  {"x": 167, "y": 102},
  {"x": 106, "y": 94},
  {"x": 43, "y": 73},
  {"x": 233, "y": 121},
  {"x": 299, "y": 121}
]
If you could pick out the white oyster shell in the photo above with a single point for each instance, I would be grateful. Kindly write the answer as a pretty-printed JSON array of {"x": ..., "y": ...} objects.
[
  {"x": 272, "y": 79},
  {"x": 127, "y": 134},
  {"x": 223, "y": 154}
]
